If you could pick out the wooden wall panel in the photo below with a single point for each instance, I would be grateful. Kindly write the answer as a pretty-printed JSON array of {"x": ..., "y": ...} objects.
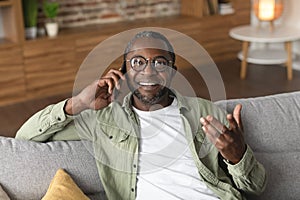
[
  {"x": 242, "y": 12},
  {"x": 192, "y": 7},
  {"x": 12, "y": 81},
  {"x": 49, "y": 67},
  {"x": 85, "y": 44}
]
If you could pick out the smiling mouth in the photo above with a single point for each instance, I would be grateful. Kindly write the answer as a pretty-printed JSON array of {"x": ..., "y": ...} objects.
[{"x": 149, "y": 85}]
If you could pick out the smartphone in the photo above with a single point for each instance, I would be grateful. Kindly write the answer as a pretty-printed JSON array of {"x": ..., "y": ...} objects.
[
  {"x": 116, "y": 93},
  {"x": 123, "y": 68}
]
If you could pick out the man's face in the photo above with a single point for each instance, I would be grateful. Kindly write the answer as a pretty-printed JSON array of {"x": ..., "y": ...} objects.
[{"x": 149, "y": 86}]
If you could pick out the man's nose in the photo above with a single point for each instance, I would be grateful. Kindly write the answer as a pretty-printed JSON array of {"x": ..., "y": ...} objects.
[{"x": 149, "y": 69}]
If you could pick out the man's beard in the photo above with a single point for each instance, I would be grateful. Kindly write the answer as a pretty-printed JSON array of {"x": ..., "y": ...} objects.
[
  {"x": 151, "y": 100},
  {"x": 146, "y": 99}
]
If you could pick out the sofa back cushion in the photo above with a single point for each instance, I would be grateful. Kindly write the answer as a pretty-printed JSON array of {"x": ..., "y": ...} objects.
[
  {"x": 272, "y": 129},
  {"x": 27, "y": 167}
]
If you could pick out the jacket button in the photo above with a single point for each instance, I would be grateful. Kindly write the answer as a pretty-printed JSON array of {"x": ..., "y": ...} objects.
[
  {"x": 111, "y": 137},
  {"x": 58, "y": 118},
  {"x": 132, "y": 189},
  {"x": 40, "y": 130}
]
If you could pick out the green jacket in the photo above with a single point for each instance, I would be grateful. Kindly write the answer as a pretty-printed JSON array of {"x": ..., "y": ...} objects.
[{"x": 114, "y": 132}]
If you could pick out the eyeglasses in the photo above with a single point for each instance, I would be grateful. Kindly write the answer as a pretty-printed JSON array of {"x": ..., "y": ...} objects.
[{"x": 159, "y": 63}]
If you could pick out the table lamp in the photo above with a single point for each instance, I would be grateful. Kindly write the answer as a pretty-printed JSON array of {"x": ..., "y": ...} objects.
[{"x": 268, "y": 10}]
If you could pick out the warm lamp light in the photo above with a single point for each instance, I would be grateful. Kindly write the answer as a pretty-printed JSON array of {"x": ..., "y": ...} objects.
[{"x": 268, "y": 10}]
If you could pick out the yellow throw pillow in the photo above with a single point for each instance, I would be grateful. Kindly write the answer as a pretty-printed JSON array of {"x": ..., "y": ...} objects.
[
  {"x": 3, "y": 195},
  {"x": 63, "y": 187}
]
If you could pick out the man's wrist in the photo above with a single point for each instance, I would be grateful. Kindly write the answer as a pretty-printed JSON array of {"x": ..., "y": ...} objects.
[{"x": 73, "y": 107}]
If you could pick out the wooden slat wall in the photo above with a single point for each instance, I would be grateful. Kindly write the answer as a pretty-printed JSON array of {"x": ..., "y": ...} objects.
[
  {"x": 12, "y": 79},
  {"x": 192, "y": 7},
  {"x": 49, "y": 66}
]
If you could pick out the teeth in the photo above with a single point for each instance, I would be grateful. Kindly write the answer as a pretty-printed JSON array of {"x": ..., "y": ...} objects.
[{"x": 147, "y": 84}]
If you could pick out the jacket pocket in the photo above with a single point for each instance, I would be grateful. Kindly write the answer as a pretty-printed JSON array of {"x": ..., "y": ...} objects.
[{"x": 113, "y": 133}]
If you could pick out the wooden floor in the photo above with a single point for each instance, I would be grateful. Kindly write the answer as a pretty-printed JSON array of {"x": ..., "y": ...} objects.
[{"x": 261, "y": 80}]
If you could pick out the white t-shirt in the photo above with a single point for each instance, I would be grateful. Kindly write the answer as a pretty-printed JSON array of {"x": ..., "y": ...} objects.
[{"x": 166, "y": 167}]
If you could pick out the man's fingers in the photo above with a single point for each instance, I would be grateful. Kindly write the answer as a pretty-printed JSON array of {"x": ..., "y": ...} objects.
[
  {"x": 114, "y": 79},
  {"x": 233, "y": 125},
  {"x": 210, "y": 130},
  {"x": 216, "y": 124},
  {"x": 114, "y": 76},
  {"x": 237, "y": 115},
  {"x": 120, "y": 74},
  {"x": 230, "y": 143},
  {"x": 110, "y": 85},
  {"x": 106, "y": 83}
]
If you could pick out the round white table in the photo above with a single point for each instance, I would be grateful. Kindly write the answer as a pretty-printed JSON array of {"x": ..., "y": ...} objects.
[{"x": 280, "y": 34}]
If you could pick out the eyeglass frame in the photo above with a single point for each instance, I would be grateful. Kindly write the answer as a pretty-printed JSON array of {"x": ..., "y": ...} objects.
[{"x": 153, "y": 62}]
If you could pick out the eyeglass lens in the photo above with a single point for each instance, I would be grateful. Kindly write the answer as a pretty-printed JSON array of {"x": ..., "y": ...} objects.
[{"x": 139, "y": 63}]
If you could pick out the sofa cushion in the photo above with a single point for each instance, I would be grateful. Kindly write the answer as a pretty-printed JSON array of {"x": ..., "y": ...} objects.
[{"x": 27, "y": 167}]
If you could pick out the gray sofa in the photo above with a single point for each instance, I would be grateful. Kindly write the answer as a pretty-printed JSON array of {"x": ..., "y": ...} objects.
[{"x": 272, "y": 128}]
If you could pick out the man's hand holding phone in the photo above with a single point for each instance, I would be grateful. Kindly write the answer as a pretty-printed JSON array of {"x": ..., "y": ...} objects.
[{"x": 97, "y": 95}]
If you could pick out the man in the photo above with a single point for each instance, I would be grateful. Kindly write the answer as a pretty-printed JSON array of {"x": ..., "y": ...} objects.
[{"x": 154, "y": 145}]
